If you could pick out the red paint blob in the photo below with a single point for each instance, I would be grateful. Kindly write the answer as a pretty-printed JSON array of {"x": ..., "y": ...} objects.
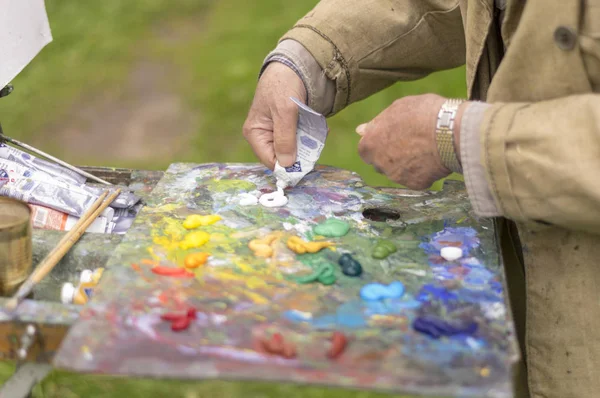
[
  {"x": 338, "y": 345},
  {"x": 278, "y": 346},
  {"x": 180, "y": 324},
  {"x": 173, "y": 272},
  {"x": 170, "y": 317}
]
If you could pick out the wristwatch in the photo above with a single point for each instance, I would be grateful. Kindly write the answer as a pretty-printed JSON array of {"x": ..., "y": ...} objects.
[{"x": 444, "y": 134}]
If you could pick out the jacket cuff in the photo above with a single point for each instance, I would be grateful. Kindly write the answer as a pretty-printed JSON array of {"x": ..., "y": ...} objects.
[
  {"x": 494, "y": 136},
  {"x": 328, "y": 57},
  {"x": 478, "y": 188},
  {"x": 320, "y": 90}
]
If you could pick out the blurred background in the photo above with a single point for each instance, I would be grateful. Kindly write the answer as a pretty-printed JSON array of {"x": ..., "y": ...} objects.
[{"x": 145, "y": 83}]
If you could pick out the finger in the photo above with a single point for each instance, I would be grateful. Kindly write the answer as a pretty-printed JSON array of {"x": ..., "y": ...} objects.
[
  {"x": 261, "y": 143},
  {"x": 365, "y": 150},
  {"x": 285, "y": 121},
  {"x": 362, "y": 129}
]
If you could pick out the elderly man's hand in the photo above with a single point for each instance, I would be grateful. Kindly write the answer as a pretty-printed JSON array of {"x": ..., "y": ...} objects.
[
  {"x": 270, "y": 127},
  {"x": 400, "y": 141}
]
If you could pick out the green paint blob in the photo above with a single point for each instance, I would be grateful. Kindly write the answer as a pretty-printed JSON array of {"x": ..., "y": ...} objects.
[
  {"x": 324, "y": 274},
  {"x": 332, "y": 228},
  {"x": 383, "y": 249}
]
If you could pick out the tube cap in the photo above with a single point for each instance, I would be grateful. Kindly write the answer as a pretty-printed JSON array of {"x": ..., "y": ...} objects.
[{"x": 67, "y": 293}]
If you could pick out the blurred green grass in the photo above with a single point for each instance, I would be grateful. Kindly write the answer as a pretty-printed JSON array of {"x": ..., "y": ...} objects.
[{"x": 95, "y": 45}]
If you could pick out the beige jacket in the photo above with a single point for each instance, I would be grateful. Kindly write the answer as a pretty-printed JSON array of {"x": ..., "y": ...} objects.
[{"x": 537, "y": 64}]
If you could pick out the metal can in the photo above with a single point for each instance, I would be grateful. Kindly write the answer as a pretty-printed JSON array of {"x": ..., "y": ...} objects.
[{"x": 15, "y": 244}]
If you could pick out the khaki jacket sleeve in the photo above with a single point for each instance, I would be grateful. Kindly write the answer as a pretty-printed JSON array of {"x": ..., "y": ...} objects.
[
  {"x": 542, "y": 160},
  {"x": 366, "y": 45}
]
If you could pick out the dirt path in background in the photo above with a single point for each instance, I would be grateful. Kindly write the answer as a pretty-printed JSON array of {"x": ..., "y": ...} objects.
[{"x": 143, "y": 120}]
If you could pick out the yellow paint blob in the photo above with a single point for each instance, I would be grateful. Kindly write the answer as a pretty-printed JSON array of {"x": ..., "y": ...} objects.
[
  {"x": 196, "y": 220},
  {"x": 300, "y": 247},
  {"x": 263, "y": 247},
  {"x": 194, "y": 240},
  {"x": 194, "y": 260},
  {"x": 254, "y": 282}
]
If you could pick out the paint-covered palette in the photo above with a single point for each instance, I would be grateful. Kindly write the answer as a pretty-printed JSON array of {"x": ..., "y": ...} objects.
[{"x": 431, "y": 327}]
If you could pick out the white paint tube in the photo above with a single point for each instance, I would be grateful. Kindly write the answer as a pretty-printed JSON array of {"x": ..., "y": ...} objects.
[
  {"x": 25, "y": 159},
  {"x": 59, "y": 173},
  {"x": 311, "y": 134},
  {"x": 40, "y": 188}
]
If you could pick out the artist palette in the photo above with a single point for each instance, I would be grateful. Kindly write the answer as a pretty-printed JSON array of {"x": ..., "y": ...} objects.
[{"x": 429, "y": 326}]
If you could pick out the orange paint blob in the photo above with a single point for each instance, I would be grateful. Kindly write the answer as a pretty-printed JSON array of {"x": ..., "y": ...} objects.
[
  {"x": 263, "y": 247},
  {"x": 194, "y": 260},
  {"x": 300, "y": 246}
]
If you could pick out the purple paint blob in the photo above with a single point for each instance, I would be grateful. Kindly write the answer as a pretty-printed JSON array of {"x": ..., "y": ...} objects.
[{"x": 436, "y": 327}]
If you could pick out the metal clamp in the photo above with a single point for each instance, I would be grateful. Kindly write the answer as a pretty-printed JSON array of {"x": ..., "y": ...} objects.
[{"x": 6, "y": 90}]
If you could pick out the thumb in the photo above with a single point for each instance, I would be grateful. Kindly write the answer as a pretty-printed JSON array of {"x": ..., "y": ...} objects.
[{"x": 284, "y": 134}]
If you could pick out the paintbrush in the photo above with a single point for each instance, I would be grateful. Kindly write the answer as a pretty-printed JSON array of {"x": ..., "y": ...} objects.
[{"x": 61, "y": 248}]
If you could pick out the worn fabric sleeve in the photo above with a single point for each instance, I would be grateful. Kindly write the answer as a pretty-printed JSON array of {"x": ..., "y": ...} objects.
[
  {"x": 365, "y": 46},
  {"x": 478, "y": 188},
  {"x": 320, "y": 90},
  {"x": 542, "y": 160}
]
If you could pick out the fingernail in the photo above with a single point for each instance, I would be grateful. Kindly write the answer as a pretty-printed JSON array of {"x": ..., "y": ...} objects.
[
  {"x": 361, "y": 129},
  {"x": 285, "y": 160}
]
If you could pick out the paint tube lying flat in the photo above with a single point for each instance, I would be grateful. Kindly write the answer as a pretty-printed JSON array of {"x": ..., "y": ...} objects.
[
  {"x": 47, "y": 218},
  {"x": 32, "y": 162},
  {"x": 39, "y": 188},
  {"x": 310, "y": 140},
  {"x": 125, "y": 200}
]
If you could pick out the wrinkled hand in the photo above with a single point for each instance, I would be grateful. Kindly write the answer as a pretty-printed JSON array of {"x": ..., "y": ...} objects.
[
  {"x": 400, "y": 141},
  {"x": 270, "y": 127}
]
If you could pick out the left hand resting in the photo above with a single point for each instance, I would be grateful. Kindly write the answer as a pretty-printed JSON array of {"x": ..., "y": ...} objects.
[{"x": 400, "y": 141}]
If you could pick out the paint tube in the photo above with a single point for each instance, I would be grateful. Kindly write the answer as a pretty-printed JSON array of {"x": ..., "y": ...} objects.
[
  {"x": 46, "y": 218},
  {"x": 39, "y": 188},
  {"x": 123, "y": 219},
  {"x": 311, "y": 134},
  {"x": 32, "y": 162},
  {"x": 125, "y": 200}
]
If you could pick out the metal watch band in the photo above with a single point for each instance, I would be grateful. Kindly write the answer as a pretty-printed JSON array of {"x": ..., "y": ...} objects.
[{"x": 444, "y": 135}]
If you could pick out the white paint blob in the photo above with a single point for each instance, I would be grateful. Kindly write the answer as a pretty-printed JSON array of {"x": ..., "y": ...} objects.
[
  {"x": 247, "y": 199},
  {"x": 451, "y": 253},
  {"x": 274, "y": 199}
]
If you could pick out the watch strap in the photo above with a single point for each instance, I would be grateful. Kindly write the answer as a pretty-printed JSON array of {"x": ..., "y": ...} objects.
[{"x": 444, "y": 134}]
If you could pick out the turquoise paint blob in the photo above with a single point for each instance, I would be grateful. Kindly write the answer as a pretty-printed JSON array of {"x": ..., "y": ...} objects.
[
  {"x": 332, "y": 228},
  {"x": 378, "y": 291}
]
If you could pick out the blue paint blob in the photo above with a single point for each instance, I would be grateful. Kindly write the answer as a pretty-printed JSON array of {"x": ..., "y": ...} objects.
[
  {"x": 466, "y": 237},
  {"x": 378, "y": 291},
  {"x": 325, "y": 322},
  {"x": 348, "y": 315},
  {"x": 479, "y": 296},
  {"x": 296, "y": 316},
  {"x": 496, "y": 286},
  {"x": 436, "y": 327},
  {"x": 429, "y": 292}
]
